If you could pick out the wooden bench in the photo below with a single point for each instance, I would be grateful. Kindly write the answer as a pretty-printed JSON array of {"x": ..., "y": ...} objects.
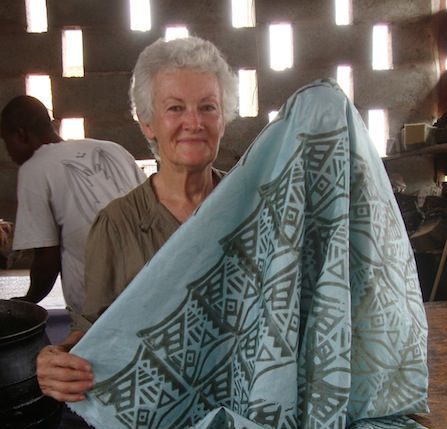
[{"x": 437, "y": 364}]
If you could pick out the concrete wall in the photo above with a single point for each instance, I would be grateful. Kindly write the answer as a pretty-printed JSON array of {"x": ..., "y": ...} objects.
[{"x": 410, "y": 91}]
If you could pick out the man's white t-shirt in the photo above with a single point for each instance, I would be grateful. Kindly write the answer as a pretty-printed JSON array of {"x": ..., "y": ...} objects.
[{"x": 60, "y": 190}]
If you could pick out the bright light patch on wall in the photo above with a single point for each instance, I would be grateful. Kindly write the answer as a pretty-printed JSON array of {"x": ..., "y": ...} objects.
[
  {"x": 382, "y": 56},
  {"x": 243, "y": 13},
  {"x": 176, "y": 33},
  {"x": 272, "y": 115},
  {"x": 344, "y": 79},
  {"x": 248, "y": 93},
  {"x": 281, "y": 46},
  {"x": 39, "y": 86},
  {"x": 72, "y": 128},
  {"x": 36, "y": 16},
  {"x": 140, "y": 15},
  {"x": 72, "y": 53},
  {"x": 149, "y": 166},
  {"x": 343, "y": 12},
  {"x": 378, "y": 129}
]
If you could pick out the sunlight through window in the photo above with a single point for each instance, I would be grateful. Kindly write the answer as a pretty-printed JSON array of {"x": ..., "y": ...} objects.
[
  {"x": 281, "y": 46},
  {"x": 382, "y": 57},
  {"x": 243, "y": 13},
  {"x": 343, "y": 12},
  {"x": 272, "y": 115},
  {"x": 176, "y": 33},
  {"x": 344, "y": 79},
  {"x": 140, "y": 15},
  {"x": 248, "y": 93},
  {"x": 72, "y": 128},
  {"x": 378, "y": 129},
  {"x": 72, "y": 53},
  {"x": 149, "y": 166},
  {"x": 39, "y": 86},
  {"x": 36, "y": 16}
]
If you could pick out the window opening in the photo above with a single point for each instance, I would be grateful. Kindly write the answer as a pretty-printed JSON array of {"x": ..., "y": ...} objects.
[
  {"x": 382, "y": 55},
  {"x": 72, "y": 53},
  {"x": 248, "y": 93},
  {"x": 243, "y": 13},
  {"x": 343, "y": 12},
  {"x": 39, "y": 86},
  {"x": 72, "y": 128},
  {"x": 281, "y": 46},
  {"x": 176, "y": 32},
  {"x": 378, "y": 129},
  {"x": 345, "y": 80},
  {"x": 140, "y": 15},
  {"x": 36, "y": 16},
  {"x": 272, "y": 115},
  {"x": 149, "y": 166}
]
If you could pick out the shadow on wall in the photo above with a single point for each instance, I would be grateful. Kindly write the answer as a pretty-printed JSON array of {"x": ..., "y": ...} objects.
[
  {"x": 436, "y": 98},
  {"x": 439, "y": 26},
  {"x": 440, "y": 33}
]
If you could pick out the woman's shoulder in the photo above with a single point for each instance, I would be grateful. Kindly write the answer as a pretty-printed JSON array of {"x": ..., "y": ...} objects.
[
  {"x": 218, "y": 174},
  {"x": 130, "y": 206}
]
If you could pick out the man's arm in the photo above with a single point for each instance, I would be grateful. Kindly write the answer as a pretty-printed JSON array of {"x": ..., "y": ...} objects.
[{"x": 45, "y": 268}]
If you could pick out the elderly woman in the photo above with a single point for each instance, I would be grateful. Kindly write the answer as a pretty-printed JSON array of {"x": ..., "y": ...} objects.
[{"x": 184, "y": 94}]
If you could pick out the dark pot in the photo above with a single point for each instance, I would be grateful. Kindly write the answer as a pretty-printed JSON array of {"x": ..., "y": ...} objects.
[{"x": 22, "y": 336}]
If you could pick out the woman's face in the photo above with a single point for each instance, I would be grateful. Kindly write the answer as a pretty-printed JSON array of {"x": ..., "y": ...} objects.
[{"x": 187, "y": 119}]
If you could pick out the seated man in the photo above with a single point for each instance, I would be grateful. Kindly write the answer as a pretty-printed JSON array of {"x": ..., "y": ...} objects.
[{"x": 61, "y": 187}]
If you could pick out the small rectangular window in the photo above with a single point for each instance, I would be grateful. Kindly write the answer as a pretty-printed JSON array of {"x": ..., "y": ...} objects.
[
  {"x": 272, "y": 115},
  {"x": 176, "y": 32},
  {"x": 381, "y": 49},
  {"x": 344, "y": 79},
  {"x": 343, "y": 12},
  {"x": 378, "y": 129},
  {"x": 248, "y": 93},
  {"x": 36, "y": 16},
  {"x": 243, "y": 13},
  {"x": 149, "y": 166},
  {"x": 72, "y": 128},
  {"x": 39, "y": 86},
  {"x": 281, "y": 46},
  {"x": 140, "y": 15},
  {"x": 72, "y": 53}
]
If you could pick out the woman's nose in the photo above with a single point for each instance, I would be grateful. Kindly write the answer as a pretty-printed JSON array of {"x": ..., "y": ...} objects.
[{"x": 193, "y": 120}]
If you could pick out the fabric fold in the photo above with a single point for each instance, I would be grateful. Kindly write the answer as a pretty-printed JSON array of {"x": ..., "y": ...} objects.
[{"x": 290, "y": 299}]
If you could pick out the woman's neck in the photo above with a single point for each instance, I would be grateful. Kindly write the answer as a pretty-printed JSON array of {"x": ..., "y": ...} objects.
[{"x": 182, "y": 193}]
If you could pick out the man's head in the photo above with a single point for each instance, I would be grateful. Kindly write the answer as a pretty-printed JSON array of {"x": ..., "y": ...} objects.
[{"x": 25, "y": 126}]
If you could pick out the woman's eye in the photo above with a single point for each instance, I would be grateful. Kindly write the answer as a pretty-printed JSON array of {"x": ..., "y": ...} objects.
[
  {"x": 209, "y": 107},
  {"x": 175, "y": 108}
]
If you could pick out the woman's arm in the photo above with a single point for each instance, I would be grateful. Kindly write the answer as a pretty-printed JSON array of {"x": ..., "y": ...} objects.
[{"x": 61, "y": 375}]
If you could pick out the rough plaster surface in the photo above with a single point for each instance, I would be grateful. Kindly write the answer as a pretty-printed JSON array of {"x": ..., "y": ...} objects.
[{"x": 410, "y": 91}]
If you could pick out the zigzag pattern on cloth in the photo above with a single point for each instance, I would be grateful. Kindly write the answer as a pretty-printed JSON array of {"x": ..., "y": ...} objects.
[{"x": 309, "y": 316}]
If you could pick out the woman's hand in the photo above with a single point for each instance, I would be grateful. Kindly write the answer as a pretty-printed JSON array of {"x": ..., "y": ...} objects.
[{"x": 61, "y": 375}]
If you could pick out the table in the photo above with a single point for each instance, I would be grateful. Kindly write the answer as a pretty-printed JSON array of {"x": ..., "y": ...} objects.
[{"x": 437, "y": 364}]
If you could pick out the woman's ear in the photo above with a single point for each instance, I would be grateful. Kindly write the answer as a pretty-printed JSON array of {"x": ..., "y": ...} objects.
[{"x": 146, "y": 129}]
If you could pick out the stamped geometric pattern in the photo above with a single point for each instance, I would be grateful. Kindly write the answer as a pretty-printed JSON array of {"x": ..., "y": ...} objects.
[{"x": 316, "y": 289}]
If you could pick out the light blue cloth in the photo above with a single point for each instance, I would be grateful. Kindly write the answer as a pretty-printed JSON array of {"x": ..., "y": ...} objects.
[{"x": 290, "y": 299}]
